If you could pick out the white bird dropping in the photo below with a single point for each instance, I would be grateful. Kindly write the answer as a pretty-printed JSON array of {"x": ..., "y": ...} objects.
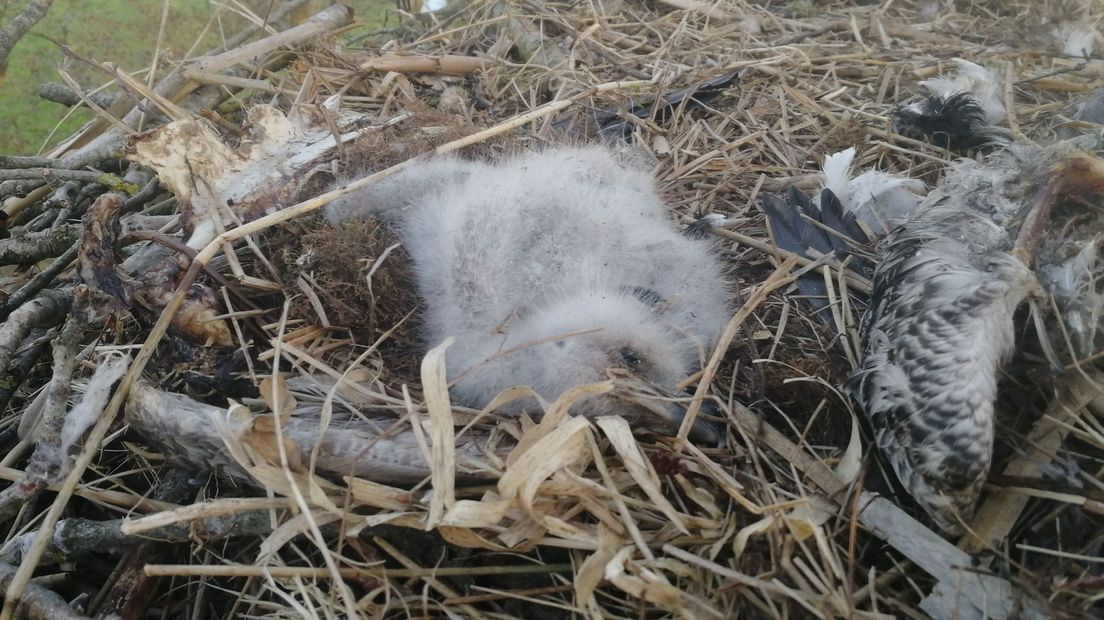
[{"x": 548, "y": 269}]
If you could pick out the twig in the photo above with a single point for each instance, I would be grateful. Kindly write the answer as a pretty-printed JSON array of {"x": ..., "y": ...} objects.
[
  {"x": 64, "y": 95},
  {"x": 284, "y": 572},
  {"x": 40, "y": 281}
]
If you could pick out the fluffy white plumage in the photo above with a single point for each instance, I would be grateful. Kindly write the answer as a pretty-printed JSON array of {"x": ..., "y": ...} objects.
[
  {"x": 91, "y": 404},
  {"x": 1077, "y": 40},
  {"x": 881, "y": 201},
  {"x": 1074, "y": 283},
  {"x": 549, "y": 268},
  {"x": 982, "y": 84}
]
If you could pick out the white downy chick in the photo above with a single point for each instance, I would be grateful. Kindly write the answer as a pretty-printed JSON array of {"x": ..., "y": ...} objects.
[
  {"x": 548, "y": 269},
  {"x": 881, "y": 201}
]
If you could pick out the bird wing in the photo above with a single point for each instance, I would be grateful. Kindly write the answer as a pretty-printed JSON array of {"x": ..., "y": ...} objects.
[{"x": 937, "y": 331}]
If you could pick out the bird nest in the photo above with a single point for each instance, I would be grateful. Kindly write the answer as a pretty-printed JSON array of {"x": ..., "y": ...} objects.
[{"x": 249, "y": 336}]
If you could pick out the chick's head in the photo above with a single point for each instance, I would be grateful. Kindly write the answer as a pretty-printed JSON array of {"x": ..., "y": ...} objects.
[{"x": 577, "y": 339}]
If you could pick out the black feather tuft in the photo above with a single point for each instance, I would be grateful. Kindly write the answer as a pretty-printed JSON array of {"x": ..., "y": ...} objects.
[{"x": 957, "y": 123}]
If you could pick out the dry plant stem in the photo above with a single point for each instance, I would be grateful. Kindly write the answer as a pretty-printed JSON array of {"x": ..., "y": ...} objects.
[
  {"x": 431, "y": 581},
  {"x": 882, "y": 518},
  {"x": 284, "y": 572},
  {"x": 47, "y": 459},
  {"x": 32, "y": 247},
  {"x": 129, "y": 592},
  {"x": 38, "y": 602},
  {"x": 46, "y": 310},
  {"x": 696, "y": 6},
  {"x": 117, "y": 499},
  {"x": 99, "y": 431},
  {"x": 853, "y": 281},
  {"x": 780, "y": 277},
  {"x": 19, "y": 26},
  {"x": 444, "y": 65}
]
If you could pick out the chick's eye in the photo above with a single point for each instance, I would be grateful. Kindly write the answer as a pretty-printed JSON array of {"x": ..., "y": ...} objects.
[{"x": 631, "y": 357}]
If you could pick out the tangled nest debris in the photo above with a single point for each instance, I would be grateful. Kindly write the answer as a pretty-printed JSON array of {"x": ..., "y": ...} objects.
[{"x": 234, "y": 322}]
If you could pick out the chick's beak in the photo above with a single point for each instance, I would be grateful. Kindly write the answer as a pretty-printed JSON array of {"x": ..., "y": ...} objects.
[{"x": 647, "y": 407}]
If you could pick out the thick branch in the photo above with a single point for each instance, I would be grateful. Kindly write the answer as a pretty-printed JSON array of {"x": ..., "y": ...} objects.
[
  {"x": 46, "y": 310},
  {"x": 75, "y": 538},
  {"x": 33, "y": 247},
  {"x": 61, "y": 93},
  {"x": 43, "y": 174},
  {"x": 47, "y": 458},
  {"x": 13, "y": 32},
  {"x": 38, "y": 602}
]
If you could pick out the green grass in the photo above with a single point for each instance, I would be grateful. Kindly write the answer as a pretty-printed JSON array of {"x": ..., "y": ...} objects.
[{"x": 119, "y": 31}]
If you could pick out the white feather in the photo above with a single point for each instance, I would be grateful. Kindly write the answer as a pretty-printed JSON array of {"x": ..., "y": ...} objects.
[
  {"x": 983, "y": 84},
  {"x": 837, "y": 172},
  {"x": 884, "y": 201},
  {"x": 881, "y": 201},
  {"x": 1076, "y": 40},
  {"x": 1074, "y": 286},
  {"x": 85, "y": 413}
]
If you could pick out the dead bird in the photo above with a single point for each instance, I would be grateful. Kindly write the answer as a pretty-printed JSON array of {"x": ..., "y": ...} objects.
[
  {"x": 940, "y": 325},
  {"x": 549, "y": 268}
]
